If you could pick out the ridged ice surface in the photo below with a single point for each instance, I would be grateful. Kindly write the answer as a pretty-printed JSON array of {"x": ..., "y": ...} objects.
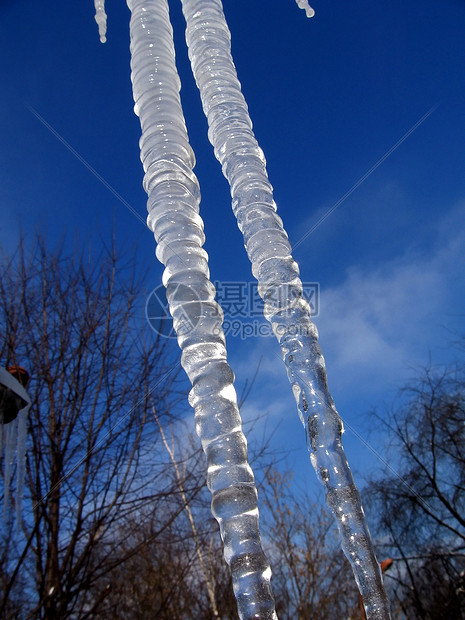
[
  {"x": 303, "y": 4},
  {"x": 173, "y": 205},
  {"x": 267, "y": 244},
  {"x": 101, "y": 19}
]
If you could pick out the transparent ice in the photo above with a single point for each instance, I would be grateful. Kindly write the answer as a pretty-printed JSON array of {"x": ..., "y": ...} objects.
[
  {"x": 173, "y": 205},
  {"x": 101, "y": 19},
  {"x": 269, "y": 250},
  {"x": 303, "y": 4}
]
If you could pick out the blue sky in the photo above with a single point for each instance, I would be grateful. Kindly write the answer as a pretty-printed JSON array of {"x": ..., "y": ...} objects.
[{"x": 329, "y": 97}]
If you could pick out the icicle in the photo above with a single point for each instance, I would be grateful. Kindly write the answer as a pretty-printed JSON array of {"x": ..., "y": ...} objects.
[
  {"x": 266, "y": 242},
  {"x": 20, "y": 460},
  {"x": 13, "y": 440},
  {"x": 173, "y": 206},
  {"x": 101, "y": 19},
  {"x": 303, "y": 4},
  {"x": 10, "y": 434}
]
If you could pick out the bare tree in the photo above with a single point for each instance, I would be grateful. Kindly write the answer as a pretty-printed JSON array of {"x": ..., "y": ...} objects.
[
  {"x": 179, "y": 573},
  {"x": 116, "y": 519},
  {"x": 420, "y": 512},
  {"x": 94, "y": 457},
  {"x": 311, "y": 577}
]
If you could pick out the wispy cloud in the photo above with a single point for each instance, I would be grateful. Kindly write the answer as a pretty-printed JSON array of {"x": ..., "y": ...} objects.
[
  {"x": 378, "y": 326},
  {"x": 381, "y": 321}
]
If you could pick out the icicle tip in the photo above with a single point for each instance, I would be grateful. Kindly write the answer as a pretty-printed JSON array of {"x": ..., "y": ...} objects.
[{"x": 303, "y": 4}]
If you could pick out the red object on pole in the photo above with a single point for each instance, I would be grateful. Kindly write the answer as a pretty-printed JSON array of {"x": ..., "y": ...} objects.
[{"x": 20, "y": 374}]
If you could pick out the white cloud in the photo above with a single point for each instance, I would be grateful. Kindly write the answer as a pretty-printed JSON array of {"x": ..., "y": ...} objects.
[
  {"x": 377, "y": 326},
  {"x": 380, "y": 322},
  {"x": 376, "y": 329}
]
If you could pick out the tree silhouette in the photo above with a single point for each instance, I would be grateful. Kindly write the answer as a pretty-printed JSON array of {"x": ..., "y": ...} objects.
[
  {"x": 421, "y": 513},
  {"x": 94, "y": 457}
]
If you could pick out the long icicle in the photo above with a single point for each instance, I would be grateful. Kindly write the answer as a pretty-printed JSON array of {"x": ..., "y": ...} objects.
[
  {"x": 267, "y": 245},
  {"x": 173, "y": 206}
]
